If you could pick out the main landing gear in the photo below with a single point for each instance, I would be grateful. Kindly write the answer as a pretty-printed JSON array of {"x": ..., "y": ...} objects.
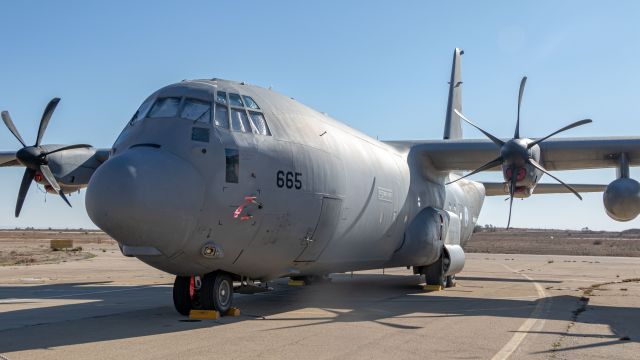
[
  {"x": 434, "y": 274},
  {"x": 214, "y": 291}
]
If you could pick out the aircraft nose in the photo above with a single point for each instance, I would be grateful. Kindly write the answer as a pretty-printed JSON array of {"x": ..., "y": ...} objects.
[{"x": 146, "y": 197}]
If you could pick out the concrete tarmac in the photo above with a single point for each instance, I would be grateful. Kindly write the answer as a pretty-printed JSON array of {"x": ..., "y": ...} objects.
[{"x": 505, "y": 306}]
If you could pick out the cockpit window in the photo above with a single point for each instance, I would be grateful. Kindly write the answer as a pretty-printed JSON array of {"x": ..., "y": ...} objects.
[
  {"x": 259, "y": 123},
  {"x": 240, "y": 113},
  {"x": 240, "y": 121},
  {"x": 222, "y": 110},
  {"x": 196, "y": 110},
  {"x": 221, "y": 97},
  {"x": 250, "y": 103},
  {"x": 165, "y": 107},
  {"x": 235, "y": 100},
  {"x": 142, "y": 111}
]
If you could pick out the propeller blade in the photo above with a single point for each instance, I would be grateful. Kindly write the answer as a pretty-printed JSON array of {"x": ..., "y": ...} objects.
[
  {"x": 46, "y": 116},
  {"x": 46, "y": 172},
  {"x": 493, "y": 163},
  {"x": 512, "y": 190},
  {"x": 64, "y": 198},
  {"x": 70, "y": 147},
  {"x": 522, "y": 83},
  {"x": 570, "y": 126},
  {"x": 491, "y": 137},
  {"x": 7, "y": 121},
  {"x": 27, "y": 178},
  {"x": 539, "y": 167}
]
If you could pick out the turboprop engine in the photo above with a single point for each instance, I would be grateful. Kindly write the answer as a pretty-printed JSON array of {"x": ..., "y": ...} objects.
[{"x": 622, "y": 199}]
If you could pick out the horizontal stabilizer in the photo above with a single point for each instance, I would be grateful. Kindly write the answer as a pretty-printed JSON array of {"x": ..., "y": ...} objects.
[{"x": 500, "y": 189}]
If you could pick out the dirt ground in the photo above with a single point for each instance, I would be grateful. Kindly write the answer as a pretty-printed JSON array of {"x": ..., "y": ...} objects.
[
  {"x": 28, "y": 247},
  {"x": 555, "y": 242}
]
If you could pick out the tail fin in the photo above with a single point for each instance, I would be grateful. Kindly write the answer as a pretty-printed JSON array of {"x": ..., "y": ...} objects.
[{"x": 452, "y": 126}]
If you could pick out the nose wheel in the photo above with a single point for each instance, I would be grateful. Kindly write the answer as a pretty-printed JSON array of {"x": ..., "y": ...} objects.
[
  {"x": 217, "y": 292},
  {"x": 213, "y": 291},
  {"x": 184, "y": 294}
]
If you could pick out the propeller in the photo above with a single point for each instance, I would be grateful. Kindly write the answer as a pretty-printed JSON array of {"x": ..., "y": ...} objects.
[
  {"x": 34, "y": 158},
  {"x": 515, "y": 152}
]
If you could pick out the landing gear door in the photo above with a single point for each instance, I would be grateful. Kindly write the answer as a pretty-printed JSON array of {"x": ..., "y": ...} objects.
[{"x": 316, "y": 242}]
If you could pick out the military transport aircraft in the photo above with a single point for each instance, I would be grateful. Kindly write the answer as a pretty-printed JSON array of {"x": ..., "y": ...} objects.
[{"x": 218, "y": 181}]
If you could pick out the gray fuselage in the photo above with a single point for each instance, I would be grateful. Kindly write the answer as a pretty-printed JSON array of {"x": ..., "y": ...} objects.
[{"x": 327, "y": 198}]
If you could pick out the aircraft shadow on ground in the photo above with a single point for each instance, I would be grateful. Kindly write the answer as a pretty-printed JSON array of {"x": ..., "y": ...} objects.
[{"x": 388, "y": 300}]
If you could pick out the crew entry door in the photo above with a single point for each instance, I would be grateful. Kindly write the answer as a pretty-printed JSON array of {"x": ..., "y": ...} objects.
[{"x": 324, "y": 231}]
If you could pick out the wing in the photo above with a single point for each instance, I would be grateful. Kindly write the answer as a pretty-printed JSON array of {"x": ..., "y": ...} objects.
[
  {"x": 8, "y": 158},
  {"x": 557, "y": 154},
  {"x": 500, "y": 189}
]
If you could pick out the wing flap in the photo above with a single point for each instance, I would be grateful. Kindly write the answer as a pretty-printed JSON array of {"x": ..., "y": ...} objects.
[{"x": 499, "y": 189}]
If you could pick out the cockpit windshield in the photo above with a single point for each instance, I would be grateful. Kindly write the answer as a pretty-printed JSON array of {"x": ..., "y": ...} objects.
[
  {"x": 165, "y": 107},
  {"x": 196, "y": 110}
]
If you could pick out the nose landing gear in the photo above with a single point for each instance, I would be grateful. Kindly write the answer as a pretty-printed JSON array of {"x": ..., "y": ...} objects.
[{"x": 214, "y": 291}]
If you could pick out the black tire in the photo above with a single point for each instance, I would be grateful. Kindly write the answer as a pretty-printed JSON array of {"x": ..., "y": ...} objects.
[
  {"x": 434, "y": 274},
  {"x": 217, "y": 292},
  {"x": 181, "y": 296},
  {"x": 451, "y": 281}
]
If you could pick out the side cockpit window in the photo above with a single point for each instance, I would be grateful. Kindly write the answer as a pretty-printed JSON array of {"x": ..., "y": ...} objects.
[
  {"x": 165, "y": 107},
  {"x": 142, "y": 111},
  {"x": 222, "y": 111},
  {"x": 196, "y": 110},
  {"x": 241, "y": 112}
]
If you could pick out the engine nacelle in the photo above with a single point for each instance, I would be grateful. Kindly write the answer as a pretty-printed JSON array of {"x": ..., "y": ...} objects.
[{"x": 622, "y": 199}]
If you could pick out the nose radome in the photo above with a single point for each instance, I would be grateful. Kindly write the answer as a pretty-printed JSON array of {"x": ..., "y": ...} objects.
[{"x": 146, "y": 198}]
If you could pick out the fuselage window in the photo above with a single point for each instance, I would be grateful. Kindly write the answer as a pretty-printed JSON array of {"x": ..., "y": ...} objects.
[
  {"x": 239, "y": 120},
  {"x": 196, "y": 110},
  {"x": 232, "y": 173},
  {"x": 165, "y": 107},
  {"x": 259, "y": 123},
  {"x": 142, "y": 111},
  {"x": 235, "y": 100},
  {"x": 250, "y": 103}
]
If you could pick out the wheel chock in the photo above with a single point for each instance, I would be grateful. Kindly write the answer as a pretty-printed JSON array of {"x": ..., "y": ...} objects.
[
  {"x": 296, "y": 282},
  {"x": 204, "y": 314},
  {"x": 234, "y": 311},
  {"x": 428, "y": 287}
]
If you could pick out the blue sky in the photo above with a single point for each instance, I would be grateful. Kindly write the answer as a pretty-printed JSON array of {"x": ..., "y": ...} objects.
[{"x": 381, "y": 67}]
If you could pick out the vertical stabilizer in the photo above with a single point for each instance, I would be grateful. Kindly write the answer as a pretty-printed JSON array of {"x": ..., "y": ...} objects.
[{"x": 452, "y": 126}]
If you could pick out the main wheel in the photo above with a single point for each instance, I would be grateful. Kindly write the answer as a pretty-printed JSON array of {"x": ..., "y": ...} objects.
[
  {"x": 217, "y": 292},
  {"x": 451, "y": 281},
  {"x": 182, "y": 295},
  {"x": 434, "y": 274}
]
